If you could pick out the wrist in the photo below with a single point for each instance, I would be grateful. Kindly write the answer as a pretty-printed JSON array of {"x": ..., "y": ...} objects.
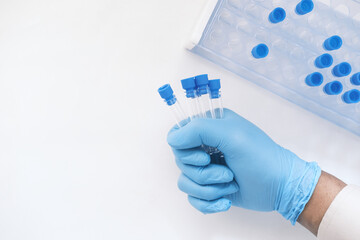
[
  {"x": 298, "y": 188},
  {"x": 325, "y": 192}
]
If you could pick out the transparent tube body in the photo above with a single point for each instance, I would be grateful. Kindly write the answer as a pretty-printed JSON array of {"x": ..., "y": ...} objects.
[
  {"x": 217, "y": 109},
  {"x": 205, "y": 106},
  {"x": 178, "y": 113},
  {"x": 193, "y": 105}
]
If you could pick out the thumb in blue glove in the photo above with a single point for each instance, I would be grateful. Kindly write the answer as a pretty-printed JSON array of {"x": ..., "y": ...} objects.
[{"x": 260, "y": 175}]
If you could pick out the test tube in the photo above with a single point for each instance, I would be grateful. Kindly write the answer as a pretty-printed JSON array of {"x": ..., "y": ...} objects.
[
  {"x": 202, "y": 83},
  {"x": 167, "y": 94},
  {"x": 217, "y": 157},
  {"x": 189, "y": 85},
  {"x": 216, "y": 101}
]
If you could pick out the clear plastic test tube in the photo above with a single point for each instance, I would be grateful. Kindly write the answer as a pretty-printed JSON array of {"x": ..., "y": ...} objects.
[
  {"x": 217, "y": 157},
  {"x": 193, "y": 104},
  {"x": 202, "y": 83},
  {"x": 216, "y": 101},
  {"x": 167, "y": 94}
]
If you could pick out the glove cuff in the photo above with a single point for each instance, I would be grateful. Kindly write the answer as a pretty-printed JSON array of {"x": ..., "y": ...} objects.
[{"x": 298, "y": 189}]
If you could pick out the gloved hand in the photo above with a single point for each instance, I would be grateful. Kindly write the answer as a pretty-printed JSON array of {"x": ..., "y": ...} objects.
[{"x": 260, "y": 175}]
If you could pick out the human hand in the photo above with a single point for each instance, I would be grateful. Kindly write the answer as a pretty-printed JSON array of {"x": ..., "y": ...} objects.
[{"x": 260, "y": 175}]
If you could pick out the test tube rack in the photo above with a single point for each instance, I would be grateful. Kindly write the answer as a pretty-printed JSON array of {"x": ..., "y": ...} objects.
[{"x": 305, "y": 51}]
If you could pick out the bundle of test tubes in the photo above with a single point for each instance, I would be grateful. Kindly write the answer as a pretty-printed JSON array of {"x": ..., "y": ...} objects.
[
  {"x": 203, "y": 101},
  {"x": 305, "y": 51}
]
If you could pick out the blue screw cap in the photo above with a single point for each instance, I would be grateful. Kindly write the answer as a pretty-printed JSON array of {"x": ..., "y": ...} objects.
[
  {"x": 355, "y": 79},
  {"x": 304, "y": 7},
  {"x": 167, "y": 94},
  {"x": 202, "y": 80},
  {"x": 342, "y": 69},
  {"x": 333, "y": 43},
  {"x": 333, "y": 88},
  {"x": 352, "y": 96},
  {"x": 260, "y": 51},
  {"x": 324, "y": 61},
  {"x": 188, "y": 83},
  {"x": 215, "y": 86},
  {"x": 277, "y": 15},
  {"x": 314, "y": 79}
]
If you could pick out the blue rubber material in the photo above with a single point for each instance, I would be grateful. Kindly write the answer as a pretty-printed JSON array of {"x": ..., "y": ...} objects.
[
  {"x": 355, "y": 79},
  {"x": 342, "y": 69},
  {"x": 277, "y": 15},
  {"x": 260, "y": 51},
  {"x": 352, "y": 96},
  {"x": 304, "y": 7},
  {"x": 333, "y": 88},
  {"x": 315, "y": 79},
  {"x": 333, "y": 43},
  {"x": 167, "y": 94},
  {"x": 324, "y": 61}
]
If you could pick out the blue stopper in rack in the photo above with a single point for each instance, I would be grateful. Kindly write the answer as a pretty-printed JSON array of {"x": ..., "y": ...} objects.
[
  {"x": 355, "y": 79},
  {"x": 352, "y": 96},
  {"x": 324, "y": 61},
  {"x": 333, "y": 43},
  {"x": 260, "y": 51},
  {"x": 333, "y": 88},
  {"x": 167, "y": 94},
  {"x": 215, "y": 86},
  {"x": 342, "y": 69},
  {"x": 314, "y": 79},
  {"x": 189, "y": 85},
  {"x": 277, "y": 15},
  {"x": 304, "y": 7},
  {"x": 202, "y": 82}
]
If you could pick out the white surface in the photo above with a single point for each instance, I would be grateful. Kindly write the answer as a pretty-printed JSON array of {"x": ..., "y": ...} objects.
[{"x": 83, "y": 152}]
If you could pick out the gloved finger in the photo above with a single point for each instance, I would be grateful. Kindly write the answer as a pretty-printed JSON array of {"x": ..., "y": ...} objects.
[
  {"x": 200, "y": 131},
  {"x": 208, "y": 207},
  {"x": 195, "y": 156},
  {"x": 207, "y": 192},
  {"x": 205, "y": 175}
]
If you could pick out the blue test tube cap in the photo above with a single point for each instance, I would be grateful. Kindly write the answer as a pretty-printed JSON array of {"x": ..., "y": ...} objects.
[
  {"x": 189, "y": 85},
  {"x": 333, "y": 88},
  {"x": 304, "y": 7},
  {"x": 277, "y": 15},
  {"x": 342, "y": 69},
  {"x": 167, "y": 94},
  {"x": 324, "y": 61},
  {"x": 215, "y": 86},
  {"x": 355, "y": 79},
  {"x": 260, "y": 51},
  {"x": 351, "y": 97},
  {"x": 315, "y": 79},
  {"x": 202, "y": 82},
  {"x": 333, "y": 43}
]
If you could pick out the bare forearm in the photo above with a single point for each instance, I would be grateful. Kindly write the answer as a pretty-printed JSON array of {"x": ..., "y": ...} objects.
[{"x": 325, "y": 192}]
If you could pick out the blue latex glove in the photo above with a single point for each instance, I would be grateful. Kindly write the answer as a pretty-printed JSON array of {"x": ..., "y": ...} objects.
[{"x": 260, "y": 175}]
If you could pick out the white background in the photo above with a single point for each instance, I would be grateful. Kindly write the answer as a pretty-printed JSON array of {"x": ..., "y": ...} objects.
[{"x": 83, "y": 152}]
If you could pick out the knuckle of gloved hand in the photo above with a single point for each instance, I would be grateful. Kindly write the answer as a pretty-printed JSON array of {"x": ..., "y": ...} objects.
[
  {"x": 209, "y": 194},
  {"x": 201, "y": 176}
]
